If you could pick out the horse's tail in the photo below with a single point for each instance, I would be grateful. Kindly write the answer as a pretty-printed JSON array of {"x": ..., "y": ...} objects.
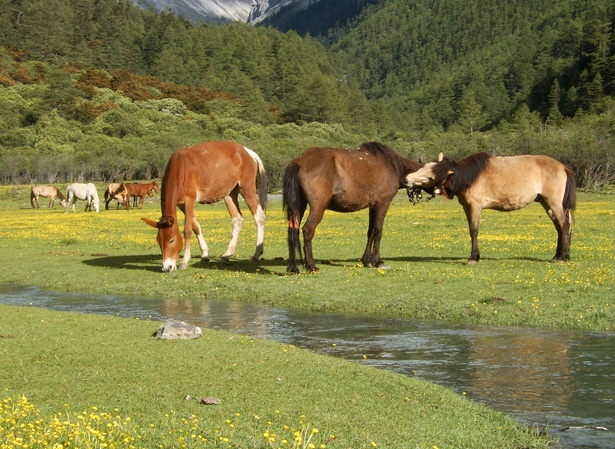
[
  {"x": 569, "y": 202},
  {"x": 263, "y": 187},
  {"x": 294, "y": 203}
]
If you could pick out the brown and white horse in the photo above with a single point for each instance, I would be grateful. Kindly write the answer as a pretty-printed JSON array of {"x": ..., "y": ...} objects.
[
  {"x": 482, "y": 181},
  {"x": 343, "y": 181},
  {"x": 206, "y": 173},
  {"x": 50, "y": 192}
]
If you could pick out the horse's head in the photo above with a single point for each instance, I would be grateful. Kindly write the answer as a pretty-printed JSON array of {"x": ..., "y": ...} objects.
[
  {"x": 156, "y": 188},
  {"x": 431, "y": 176},
  {"x": 64, "y": 204},
  {"x": 170, "y": 240}
]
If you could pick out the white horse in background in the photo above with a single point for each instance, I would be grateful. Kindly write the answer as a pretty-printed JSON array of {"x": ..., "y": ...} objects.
[{"x": 85, "y": 192}]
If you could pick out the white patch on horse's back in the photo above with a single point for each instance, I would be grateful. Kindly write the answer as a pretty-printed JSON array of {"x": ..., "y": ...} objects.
[{"x": 254, "y": 156}]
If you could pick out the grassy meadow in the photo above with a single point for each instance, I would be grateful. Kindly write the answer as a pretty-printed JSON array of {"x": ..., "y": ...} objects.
[
  {"x": 79, "y": 380},
  {"x": 89, "y": 381},
  {"x": 425, "y": 247}
]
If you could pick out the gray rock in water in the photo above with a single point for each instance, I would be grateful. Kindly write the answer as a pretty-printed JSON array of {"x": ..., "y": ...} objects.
[{"x": 177, "y": 330}]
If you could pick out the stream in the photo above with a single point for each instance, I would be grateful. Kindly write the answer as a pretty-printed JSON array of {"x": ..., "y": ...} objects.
[{"x": 540, "y": 377}]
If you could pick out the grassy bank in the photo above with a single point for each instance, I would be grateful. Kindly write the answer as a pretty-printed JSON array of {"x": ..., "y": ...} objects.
[
  {"x": 425, "y": 247},
  {"x": 100, "y": 381}
]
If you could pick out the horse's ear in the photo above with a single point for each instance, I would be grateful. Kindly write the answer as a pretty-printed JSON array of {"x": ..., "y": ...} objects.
[
  {"x": 421, "y": 159},
  {"x": 169, "y": 220},
  {"x": 150, "y": 222},
  {"x": 451, "y": 172},
  {"x": 441, "y": 156}
]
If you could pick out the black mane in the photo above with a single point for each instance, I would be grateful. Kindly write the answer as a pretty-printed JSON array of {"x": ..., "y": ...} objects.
[
  {"x": 401, "y": 164},
  {"x": 466, "y": 171}
]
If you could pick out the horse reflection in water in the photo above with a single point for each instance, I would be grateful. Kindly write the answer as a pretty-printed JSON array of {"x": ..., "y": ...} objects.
[
  {"x": 482, "y": 181},
  {"x": 207, "y": 173},
  {"x": 85, "y": 192}
]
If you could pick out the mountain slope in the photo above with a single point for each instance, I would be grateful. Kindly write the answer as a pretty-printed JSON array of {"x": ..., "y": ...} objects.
[{"x": 203, "y": 10}]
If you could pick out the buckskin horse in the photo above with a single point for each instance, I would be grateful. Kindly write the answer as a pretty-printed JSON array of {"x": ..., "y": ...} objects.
[
  {"x": 50, "y": 192},
  {"x": 110, "y": 194},
  {"x": 482, "y": 181},
  {"x": 85, "y": 192},
  {"x": 206, "y": 173},
  {"x": 341, "y": 180}
]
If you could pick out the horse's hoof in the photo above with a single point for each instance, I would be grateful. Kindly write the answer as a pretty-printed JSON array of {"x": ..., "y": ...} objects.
[
  {"x": 313, "y": 269},
  {"x": 558, "y": 260},
  {"x": 382, "y": 266},
  {"x": 205, "y": 259},
  {"x": 182, "y": 266},
  {"x": 292, "y": 270},
  {"x": 225, "y": 260},
  {"x": 472, "y": 262},
  {"x": 255, "y": 259}
]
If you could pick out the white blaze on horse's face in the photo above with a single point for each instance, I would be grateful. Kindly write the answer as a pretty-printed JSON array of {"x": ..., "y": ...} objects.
[
  {"x": 171, "y": 244},
  {"x": 96, "y": 206},
  {"x": 424, "y": 177}
]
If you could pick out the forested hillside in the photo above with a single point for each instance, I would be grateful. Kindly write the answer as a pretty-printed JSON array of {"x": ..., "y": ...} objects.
[{"x": 100, "y": 89}]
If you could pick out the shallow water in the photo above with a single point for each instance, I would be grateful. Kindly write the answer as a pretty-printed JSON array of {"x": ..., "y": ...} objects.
[{"x": 539, "y": 377}]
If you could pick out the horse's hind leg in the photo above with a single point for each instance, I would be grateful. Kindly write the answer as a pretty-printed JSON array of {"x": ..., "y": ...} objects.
[
  {"x": 561, "y": 221},
  {"x": 259, "y": 218},
  {"x": 232, "y": 204},
  {"x": 309, "y": 229}
]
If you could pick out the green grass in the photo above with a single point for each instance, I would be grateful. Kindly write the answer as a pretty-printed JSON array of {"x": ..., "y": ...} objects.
[
  {"x": 100, "y": 381},
  {"x": 425, "y": 248}
]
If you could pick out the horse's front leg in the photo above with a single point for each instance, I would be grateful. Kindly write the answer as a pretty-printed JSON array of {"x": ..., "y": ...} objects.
[
  {"x": 196, "y": 227},
  {"x": 232, "y": 204},
  {"x": 368, "y": 259},
  {"x": 188, "y": 209},
  {"x": 379, "y": 215},
  {"x": 473, "y": 216}
]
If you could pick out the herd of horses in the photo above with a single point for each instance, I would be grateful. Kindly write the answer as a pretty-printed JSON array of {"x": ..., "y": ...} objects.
[
  {"x": 341, "y": 180},
  {"x": 122, "y": 192}
]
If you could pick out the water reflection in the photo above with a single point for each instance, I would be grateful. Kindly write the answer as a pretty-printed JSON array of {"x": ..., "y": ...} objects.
[{"x": 539, "y": 377}]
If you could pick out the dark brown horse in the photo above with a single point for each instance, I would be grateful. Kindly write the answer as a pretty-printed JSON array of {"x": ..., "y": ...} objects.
[
  {"x": 482, "y": 181},
  {"x": 343, "y": 181},
  {"x": 50, "y": 192},
  {"x": 206, "y": 173},
  {"x": 136, "y": 191}
]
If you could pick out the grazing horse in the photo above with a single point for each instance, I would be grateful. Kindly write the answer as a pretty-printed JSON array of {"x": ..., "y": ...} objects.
[
  {"x": 50, "y": 192},
  {"x": 85, "y": 192},
  {"x": 343, "y": 181},
  {"x": 206, "y": 173},
  {"x": 138, "y": 192},
  {"x": 110, "y": 194},
  {"x": 482, "y": 181}
]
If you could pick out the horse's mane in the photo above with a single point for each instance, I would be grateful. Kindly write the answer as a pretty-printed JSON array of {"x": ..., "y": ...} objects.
[
  {"x": 397, "y": 161},
  {"x": 59, "y": 193},
  {"x": 466, "y": 170}
]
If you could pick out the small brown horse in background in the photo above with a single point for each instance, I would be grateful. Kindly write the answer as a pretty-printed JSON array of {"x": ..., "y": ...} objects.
[
  {"x": 136, "y": 191},
  {"x": 206, "y": 173},
  {"x": 482, "y": 181},
  {"x": 50, "y": 192},
  {"x": 110, "y": 194},
  {"x": 342, "y": 180}
]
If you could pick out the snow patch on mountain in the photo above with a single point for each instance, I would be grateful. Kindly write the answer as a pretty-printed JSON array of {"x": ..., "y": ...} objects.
[
  {"x": 203, "y": 10},
  {"x": 261, "y": 9}
]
